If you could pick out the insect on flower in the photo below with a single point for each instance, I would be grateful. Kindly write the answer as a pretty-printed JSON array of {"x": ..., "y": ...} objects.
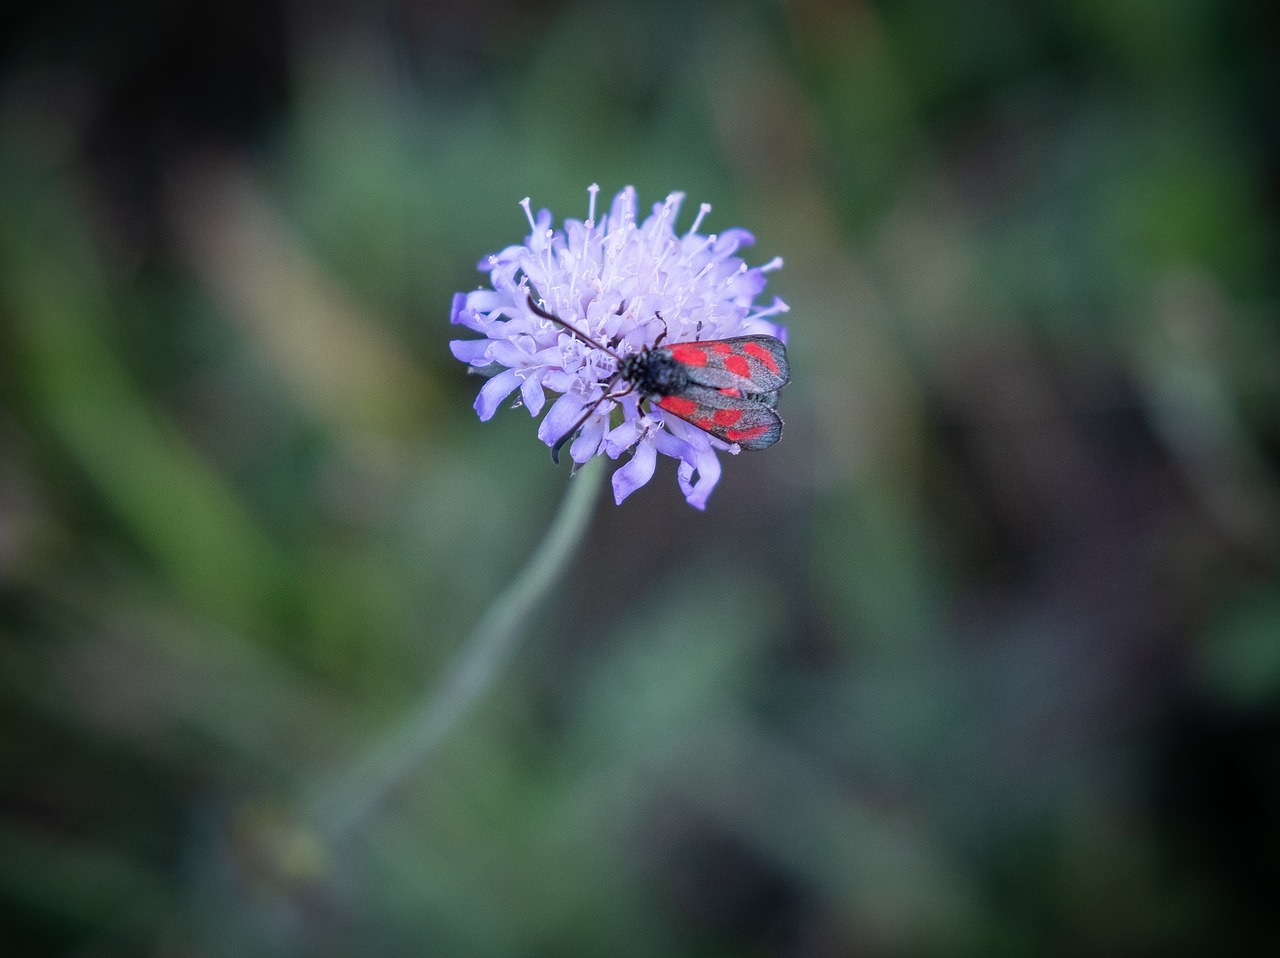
[
  {"x": 726, "y": 387},
  {"x": 620, "y": 312}
]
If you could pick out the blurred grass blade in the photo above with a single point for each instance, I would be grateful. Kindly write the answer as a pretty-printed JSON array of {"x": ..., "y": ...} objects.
[
  {"x": 345, "y": 369},
  {"x": 155, "y": 481}
]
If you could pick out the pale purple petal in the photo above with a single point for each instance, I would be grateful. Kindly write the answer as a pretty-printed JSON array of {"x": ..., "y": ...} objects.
[
  {"x": 749, "y": 285},
  {"x": 472, "y": 320},
  {"x": 622, "y": 437},
  {"x": 486, "y": 300},
  {"x": 498, "y": 260},
  {"x": 471, "y": 351},
  {"x": 557, "y": 380},
  {"x": 707, "y": 467},
  {"x": 494, "y": 391},
  {"x": 637, "y": 471},
  {"x": 588, "y": 442},
  {"x": 474, "y": 309},
  {"x": 512, "y": 352},
  {"x": 459, "y": 304},
  {"x": 672, "y": 446},
  {"x": 730, "y": 241},
  {"x": 564, "y": 412},
  {"x": 531, "y": 393}
]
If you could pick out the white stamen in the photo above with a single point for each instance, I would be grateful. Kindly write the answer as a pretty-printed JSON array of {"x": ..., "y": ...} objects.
[
  {"x": 701, "y": 247},
  {"x": 778, "y": 307},
  {"x": 593, "y": 189},
  {"x": 669, "y": 206},
  {"x": 528, "y": 213},
  {"x": 703, "y": 210}
]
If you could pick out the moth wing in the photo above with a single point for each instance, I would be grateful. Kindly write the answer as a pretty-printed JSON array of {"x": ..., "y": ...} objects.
[
  {"x": 749, "y": 422},
  {"x": 767, "y": 355},
  {"x": 750, "y": 364}
]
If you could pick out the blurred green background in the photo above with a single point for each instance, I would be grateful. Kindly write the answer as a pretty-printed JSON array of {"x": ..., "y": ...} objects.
[{"x": 982, "y": 659}]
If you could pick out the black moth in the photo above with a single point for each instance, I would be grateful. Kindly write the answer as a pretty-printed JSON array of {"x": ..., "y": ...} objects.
[{"x": 727, "y": 387}]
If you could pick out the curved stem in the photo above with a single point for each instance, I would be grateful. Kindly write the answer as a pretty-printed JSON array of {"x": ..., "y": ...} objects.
[{"x": 354, "y": 792}]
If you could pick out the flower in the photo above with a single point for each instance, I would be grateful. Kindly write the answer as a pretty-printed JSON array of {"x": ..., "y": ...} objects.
[{"x": 622, "y": 284}]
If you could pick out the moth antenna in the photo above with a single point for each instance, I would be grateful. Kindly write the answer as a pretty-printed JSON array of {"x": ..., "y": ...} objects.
[
  {"x": 573, "y": 331},
  {"x": 662, "y": 335}
]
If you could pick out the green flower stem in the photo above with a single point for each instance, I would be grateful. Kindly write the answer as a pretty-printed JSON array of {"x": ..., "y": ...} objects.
[{"x": 351, "y": 795}]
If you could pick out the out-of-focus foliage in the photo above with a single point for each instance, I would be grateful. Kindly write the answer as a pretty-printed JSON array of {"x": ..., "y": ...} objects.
[{"x": 983, "y": 658}]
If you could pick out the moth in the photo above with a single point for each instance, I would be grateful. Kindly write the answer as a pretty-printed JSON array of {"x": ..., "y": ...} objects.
[{"x": 725, "y": 387}]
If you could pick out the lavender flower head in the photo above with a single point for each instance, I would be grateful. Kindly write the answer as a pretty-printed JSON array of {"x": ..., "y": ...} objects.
[{"x": 621, "y": 283}]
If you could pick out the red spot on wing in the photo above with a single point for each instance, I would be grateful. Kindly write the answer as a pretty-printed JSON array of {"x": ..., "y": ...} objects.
[
  {"x": 762, "y": 354},
  {"x": 745, "y": 435},
  {"x": 727, "y": 417},
  {"x": 738, "y": 366},
  {"x": 721, "y": 347},
  {"x": 678, "y": 405},
  {"x": 732, "y": 391},
  {"x": 689, "y": 353}
]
